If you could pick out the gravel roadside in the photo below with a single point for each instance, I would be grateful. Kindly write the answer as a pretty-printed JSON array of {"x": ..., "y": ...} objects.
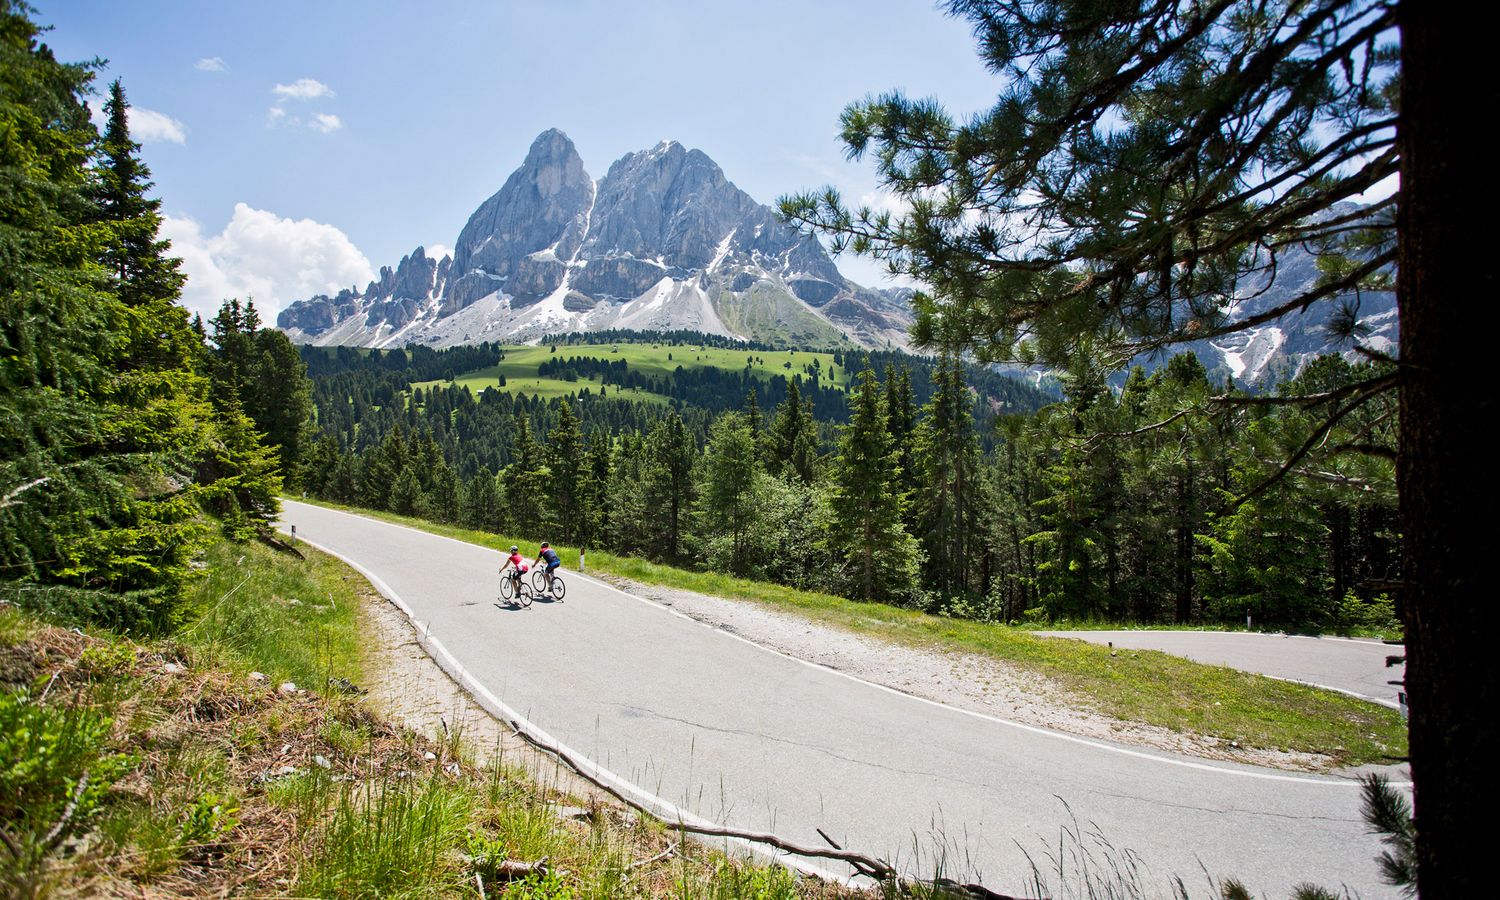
[{"x": 964, "y": 680}]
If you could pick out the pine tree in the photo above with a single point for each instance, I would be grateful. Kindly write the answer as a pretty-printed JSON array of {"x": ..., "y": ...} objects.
[
  {"x": 568, "y": 482},
  {"x": 666, "y": 485},
  {"x": 792, "y": 441},
  {"x": 945, "y": 478},
  {"x": 730, "y": 464},
  {"x": 1141, "y": 162},
  {"x": 866, "y": 502}
]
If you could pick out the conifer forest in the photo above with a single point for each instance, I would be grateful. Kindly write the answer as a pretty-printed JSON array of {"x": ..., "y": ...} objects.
[{"x": 912, "y": 486}]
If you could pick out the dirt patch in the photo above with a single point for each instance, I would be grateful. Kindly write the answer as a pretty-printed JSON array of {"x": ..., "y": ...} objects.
[{"x": 964, "y": 680}]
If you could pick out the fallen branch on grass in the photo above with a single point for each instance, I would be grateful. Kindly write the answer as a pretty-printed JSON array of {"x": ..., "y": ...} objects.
[
  {"x": 507, "y": 869},
  {"x": 641, "y": 863}
]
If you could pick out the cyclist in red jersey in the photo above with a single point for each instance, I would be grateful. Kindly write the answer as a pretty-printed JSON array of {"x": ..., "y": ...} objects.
[{"x": 516, "y": 564}]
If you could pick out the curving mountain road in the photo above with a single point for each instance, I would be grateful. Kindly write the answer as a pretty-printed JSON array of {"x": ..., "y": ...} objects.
[
  {"x": 700, "y": 720},
  {"x": 1352, "y": 665}
]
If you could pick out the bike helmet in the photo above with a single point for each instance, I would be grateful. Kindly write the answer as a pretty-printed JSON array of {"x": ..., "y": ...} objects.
[
  {"x": 545, "y": 545},
  {"x": 514, "y": 549}
]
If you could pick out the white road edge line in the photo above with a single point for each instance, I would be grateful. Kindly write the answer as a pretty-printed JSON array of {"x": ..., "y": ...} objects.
[
  {"x": 1087, "y": 742},
  {"x": 667, "y": 811}
]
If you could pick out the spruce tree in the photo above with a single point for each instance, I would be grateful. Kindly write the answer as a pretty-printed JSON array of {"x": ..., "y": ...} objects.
[
  {"x": 631, "y": 500},
  {"x": 522, "y": 487},
  {"x": 900, "y": 415},
  {"x": 866, "y": 501},
  {"x": 104, "y": 419},
  {"x": 944, "y": 479},
  {"x": 568, "y": 482},
  {"x": 260, "y": 371},
  {"x": 135, "y": 258},
  {"x": 730, "y": 464},
  {"x": 667, "y": 483},
  {"x": 596, "y": 490},
  {"x": 792, "y": 441}
]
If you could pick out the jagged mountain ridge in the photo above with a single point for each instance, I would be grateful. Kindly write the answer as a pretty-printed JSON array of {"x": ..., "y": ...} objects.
[
  {"x": 1265, "y": 354},
  {"x": 663, "y": 241}
]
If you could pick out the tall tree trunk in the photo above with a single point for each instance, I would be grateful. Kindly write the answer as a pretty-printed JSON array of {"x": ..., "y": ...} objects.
[{"x": 1446, "y": 472}]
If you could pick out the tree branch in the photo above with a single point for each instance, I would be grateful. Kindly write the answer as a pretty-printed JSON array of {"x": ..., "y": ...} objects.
[{"x": 1307, "y": 447}]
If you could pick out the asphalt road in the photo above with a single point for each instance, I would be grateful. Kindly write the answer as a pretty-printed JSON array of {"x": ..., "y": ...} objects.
[
  {"x": 1354, "y": 666},
  {"x": 701, "y": 723}
]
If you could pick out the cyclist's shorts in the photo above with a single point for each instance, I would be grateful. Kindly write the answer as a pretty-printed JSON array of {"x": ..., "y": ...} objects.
[{"x": 551, "y": 566}]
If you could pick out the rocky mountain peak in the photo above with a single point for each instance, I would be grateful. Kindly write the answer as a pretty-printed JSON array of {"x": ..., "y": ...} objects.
[
  {"x": 663, "y": 241},
  {"x": 527, "y": 228},
  {"x": 669, "y": 204}
]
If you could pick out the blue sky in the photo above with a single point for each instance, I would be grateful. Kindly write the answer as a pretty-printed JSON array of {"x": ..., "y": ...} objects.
[{"x": 299, "y": 146}]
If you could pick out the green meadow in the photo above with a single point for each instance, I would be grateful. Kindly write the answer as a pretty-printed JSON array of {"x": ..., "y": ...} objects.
[{"x": 521, "y": 362}]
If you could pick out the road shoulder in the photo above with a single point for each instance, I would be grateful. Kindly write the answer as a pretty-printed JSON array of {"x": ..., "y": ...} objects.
[{"x": 955, "y": 678}]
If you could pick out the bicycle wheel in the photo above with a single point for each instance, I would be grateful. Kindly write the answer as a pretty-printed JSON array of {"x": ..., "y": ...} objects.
[
  {"x": 539, "y": 580},
  {"x": 558, "y": 588},
  {"x": 524, "y": 594},
  {"x": 507, "y": 587}
]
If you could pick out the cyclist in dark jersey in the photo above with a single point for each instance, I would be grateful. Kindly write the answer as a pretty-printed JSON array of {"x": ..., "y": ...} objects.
[{"x": 553, "y": 561}]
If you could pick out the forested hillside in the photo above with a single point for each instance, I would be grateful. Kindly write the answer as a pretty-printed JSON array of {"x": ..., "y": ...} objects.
[
  {"x": 127, "y": 440},
  {"x": 878, "y": 476}
]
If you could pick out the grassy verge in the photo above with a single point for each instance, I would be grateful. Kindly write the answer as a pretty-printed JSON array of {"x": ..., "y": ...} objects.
[
  {"x": 1145, "y": 686},
  {"x": 165, "y": 768},
  {"x": 1358, "y": 631},
  {"x": 294, "y": 620}
]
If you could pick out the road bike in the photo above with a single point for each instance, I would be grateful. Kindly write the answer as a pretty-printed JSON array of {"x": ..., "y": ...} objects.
[
  {"x": 539, "y": 582},
  {"x": 516, "y": 588}
]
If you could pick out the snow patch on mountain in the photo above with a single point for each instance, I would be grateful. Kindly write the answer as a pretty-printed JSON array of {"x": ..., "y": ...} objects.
[{"x": 663, "y": 241}]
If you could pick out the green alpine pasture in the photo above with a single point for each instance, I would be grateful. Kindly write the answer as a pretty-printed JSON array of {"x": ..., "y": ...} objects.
[{"x": 521, "y": 362}]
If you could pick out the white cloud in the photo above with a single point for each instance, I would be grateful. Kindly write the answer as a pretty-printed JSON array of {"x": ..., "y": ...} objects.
[
  {"x": 303, "y": 89},
  {"x": 147, "y": 126},
  {"x": 211, "y": 64},
  {"x": 263, "y": 256},
  {"x": 885, "y": 202},
  {"x": 437, "y": 251},
  {"x": 151, "y": 127}
]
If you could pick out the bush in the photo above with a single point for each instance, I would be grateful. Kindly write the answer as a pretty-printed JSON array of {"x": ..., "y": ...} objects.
[{"x": 1377, "y": 614}]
